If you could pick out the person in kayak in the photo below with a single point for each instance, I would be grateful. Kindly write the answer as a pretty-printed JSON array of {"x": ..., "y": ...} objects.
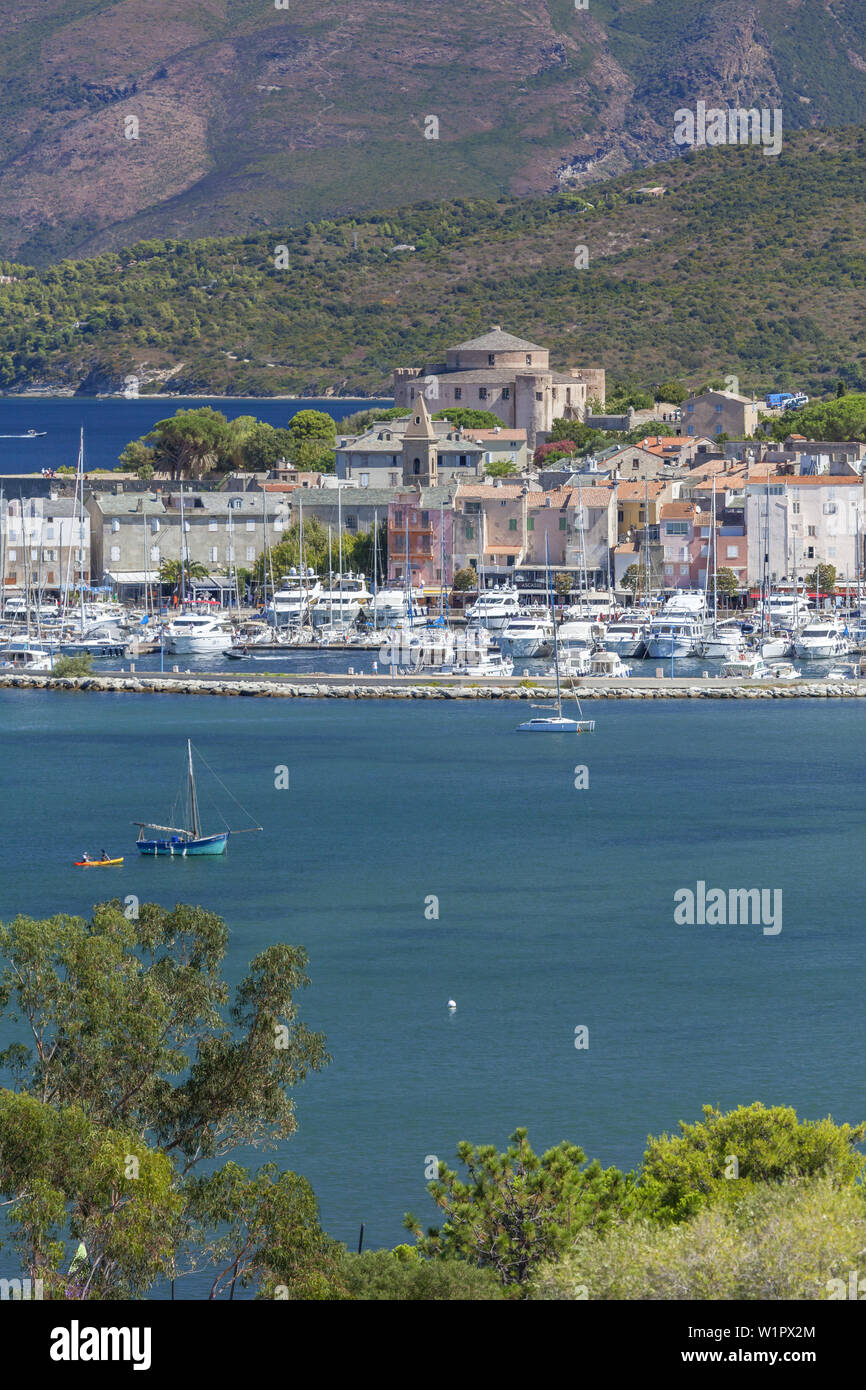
[
  {"x": 105, "y": 857},
  {"x": 85, "y": 858}
]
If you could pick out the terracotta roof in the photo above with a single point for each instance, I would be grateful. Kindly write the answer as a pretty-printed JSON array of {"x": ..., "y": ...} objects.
[
  {"x": 480, "y": 435},
  {"x": 482, "y": 491},
  {"x": 824, "y": 480},
  {"x": 568, "y": 497},
  {"x": 629, "y": 488},
  {"x": 683, "y": 510},
  {"x": 495, "y": 549},
  {"x": 628, "y": 548}
]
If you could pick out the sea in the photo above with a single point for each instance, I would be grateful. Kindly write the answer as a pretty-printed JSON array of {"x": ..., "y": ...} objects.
[
  {"x": 110, "y": 422},
  {"x": 426, "y": 852}
]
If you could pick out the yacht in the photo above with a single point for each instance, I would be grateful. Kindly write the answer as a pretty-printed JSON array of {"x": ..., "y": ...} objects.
[
  {"x": 290, "y": 605},
  {"x": 575, "y": 661},
  {"x": 625, "y": 636},
  {"x": 675, "y": 636},
  {"x": 577, "y": 636},
  {"x": 596, "y": 605},
  {"x": 723, "y": 644},
  {"x": 23, "y": 654},
  {"x": 526, "y": 637},
  {"x": 609, "y": 665},
  {"x": 749, "y": 666},
  {"x": 821, "y": 640},
  {"x": 390, "y": 606},
  {"x": 789, "y": 611},
  {"x": 783, "y": 671},
  {"x": 493, "y": 609},
  {"x": 197, "y": 635},
  {"x": 339, "y": 606}
]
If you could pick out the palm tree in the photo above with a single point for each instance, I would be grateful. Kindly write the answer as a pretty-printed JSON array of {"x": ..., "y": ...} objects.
[{"x": 171, "y": 572}]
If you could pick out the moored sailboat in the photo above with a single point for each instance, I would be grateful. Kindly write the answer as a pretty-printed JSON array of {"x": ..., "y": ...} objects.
[{"x": 185, "y": 840}]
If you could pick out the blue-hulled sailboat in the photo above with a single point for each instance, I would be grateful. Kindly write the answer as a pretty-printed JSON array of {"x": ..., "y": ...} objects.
[{"x": 184, "y": 840}]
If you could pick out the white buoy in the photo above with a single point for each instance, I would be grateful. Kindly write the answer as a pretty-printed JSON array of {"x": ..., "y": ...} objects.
[{"x": 452, "y": 1003}]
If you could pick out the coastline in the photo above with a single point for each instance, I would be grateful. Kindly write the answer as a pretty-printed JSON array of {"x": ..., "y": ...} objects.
[{"x": 319, "y": 685}]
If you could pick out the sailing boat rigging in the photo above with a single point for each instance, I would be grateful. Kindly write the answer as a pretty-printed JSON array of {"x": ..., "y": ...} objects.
[
  {"x": 556, "y": 723},
  {"x": 186, "y": 840}
]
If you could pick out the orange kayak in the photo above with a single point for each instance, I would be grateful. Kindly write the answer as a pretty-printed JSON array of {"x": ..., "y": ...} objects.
[{"x": 96, "y": 863}]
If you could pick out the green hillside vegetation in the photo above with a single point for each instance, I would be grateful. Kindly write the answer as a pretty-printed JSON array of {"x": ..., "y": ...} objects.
[{"x": 748, "y": 264}]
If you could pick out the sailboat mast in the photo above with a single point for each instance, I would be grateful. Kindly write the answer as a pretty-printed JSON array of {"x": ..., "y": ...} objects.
[
  {"x": 81, "y": 530},
  {"x": 193, "y": 802},
  {"x": 715, "y": 565},
  {"x": 182, "y": 554},
  {"x": 555, "y": 631}
]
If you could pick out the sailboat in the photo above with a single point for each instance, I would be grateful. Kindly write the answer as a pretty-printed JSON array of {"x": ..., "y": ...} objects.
[
  {"x": 186, "y": 840},
  {"x": 556, "y": 723}
]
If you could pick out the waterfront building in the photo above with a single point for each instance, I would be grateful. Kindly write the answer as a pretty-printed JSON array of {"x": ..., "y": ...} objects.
[
  {"x": 813, "y": 519},
  {"x": 44, "y": 544},
  {"x": 507, "y": 375},
  {"x": 132, "y": 535},
  {"x": 684, "y": 532},
  {"x": 421, "y": 539}
]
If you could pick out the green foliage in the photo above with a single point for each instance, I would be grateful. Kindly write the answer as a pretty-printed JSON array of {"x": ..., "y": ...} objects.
[
  {"x": 729, "y": 236},
  {"x": 671, "y": 392},
  {"x": 386, "y": 1275},
  {"x": 632, "y": 579},
  {"x": 622, "y": 397},
  {"x": 785, "y": 1241},
  {"x": 67, "y": 1178},
  {"x": 313, "y": 424},
  {"x": 469, "y": 419},
  {"x": 822, "y": 579},
  {"x": 563, "y": 583},
  {"x": 518, "y": 1208},
  {"x": 465, "y": 579},
  {"x": 124, "y": 1020},
  {"x": 842, "y": 418},
  {"x": 267, "y": 1234},
  {"x": 500, "y": 468},
  {"x": 81, "y": 665},
  {"x": 171, "y": 572},
  {"x": 189, "y": 442},
  {"x": 726, "y": 582},
  {"x": 681, "y": 1174}
]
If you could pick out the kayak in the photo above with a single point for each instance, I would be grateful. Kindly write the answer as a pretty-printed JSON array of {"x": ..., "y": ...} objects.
[{"x": 96, "y": 863}]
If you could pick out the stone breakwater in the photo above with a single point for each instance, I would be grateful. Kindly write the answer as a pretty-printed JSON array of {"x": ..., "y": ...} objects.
[{"x": 354, "y": 688}]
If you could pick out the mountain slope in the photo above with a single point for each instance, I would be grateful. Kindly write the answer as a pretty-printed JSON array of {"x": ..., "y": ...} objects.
[
  {"x": 249, "y": 115},
  {"x": 747, "y": 264}
]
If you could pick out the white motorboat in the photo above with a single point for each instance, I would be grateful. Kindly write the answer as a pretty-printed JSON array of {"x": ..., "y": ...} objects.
[
  {"x": 339, "y": 605},
  {"x": 724, "y": 643},
  {"x": 821, "y": 640},
  {"x": 625, "y": 636},
  {"x": 609, "y": 665},
  {"x": 388, "y": 607},
  {"x": 290, "y": 605},
  {"x": 749, "y": 666},
  {"x": 197, "y": 635},
  {"x": 527, "y": 637},
  {"x": 772, "y": 648},
  {"x": 576, "y": 661},
  {"x": 493, "y": 609},
  {"x": 675, "y": 636},
  {"x": 783, "y": 671},
  {"x": 844, "y": 671},
  {"x": 23, "y": 654}
]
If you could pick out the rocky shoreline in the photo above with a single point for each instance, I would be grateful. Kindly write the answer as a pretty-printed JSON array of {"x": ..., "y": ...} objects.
[{"x": 384, "y": 688}]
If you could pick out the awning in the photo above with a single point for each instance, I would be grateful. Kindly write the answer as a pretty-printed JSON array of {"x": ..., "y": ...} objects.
[{"x": 132, "y": 576}]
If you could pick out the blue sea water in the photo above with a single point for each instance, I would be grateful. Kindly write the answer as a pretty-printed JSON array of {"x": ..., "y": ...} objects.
[
  {"x": 111, "y": 422},
  {"x": 555, "y": 908}
]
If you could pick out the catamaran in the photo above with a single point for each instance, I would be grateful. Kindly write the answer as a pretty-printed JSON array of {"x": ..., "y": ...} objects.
[{"x": 186, "y": 840}]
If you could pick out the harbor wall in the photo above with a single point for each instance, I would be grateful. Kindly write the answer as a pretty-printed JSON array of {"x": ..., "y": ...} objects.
[{"x": 391, "y": 688}]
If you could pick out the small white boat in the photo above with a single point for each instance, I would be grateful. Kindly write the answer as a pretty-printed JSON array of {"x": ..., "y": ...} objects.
[
  {"x": 609, "y": 665},
  {"x": 493, "y": 609},
  {"x": 723, "y": 644},
  {"x": 196, "y": 634},
  {"x": 556, "y": 724},
  {"x": 844, "y": 671},
  {"x": 750, "y": 666},
  {"x": 625, "y": 636},
  {"x": 783, "y": 671},
  {"x": 23, "y": 654}
]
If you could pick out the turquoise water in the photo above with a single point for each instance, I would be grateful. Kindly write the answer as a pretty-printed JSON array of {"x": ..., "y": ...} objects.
[{"x": 555, "y": 908}]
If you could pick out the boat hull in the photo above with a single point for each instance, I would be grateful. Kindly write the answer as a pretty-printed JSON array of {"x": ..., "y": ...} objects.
[
  {"x": 553, "y": 725},
  {"x": 176, "y": 847}
]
